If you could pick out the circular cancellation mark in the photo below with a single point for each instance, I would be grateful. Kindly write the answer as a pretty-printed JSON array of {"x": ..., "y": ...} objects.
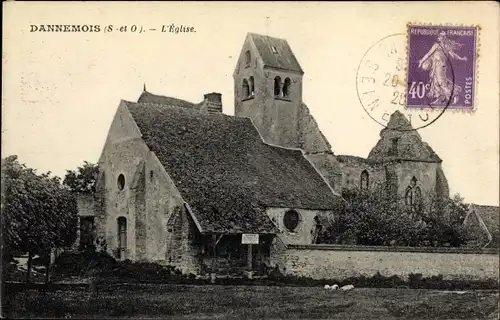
[{"x": 382, "y": 87}]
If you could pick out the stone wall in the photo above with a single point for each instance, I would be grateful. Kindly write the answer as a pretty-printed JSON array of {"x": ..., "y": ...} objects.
[
  {"x": 123, "y": 158},
  {"x": 340, "y": 262},
  {"x": 183, "y": 246},
  {"x": 148, "y": 197},
  {"x": 86, "y": 205},
  {"x": 352, "y": 167},
  {"x": 305, "y": 230},
  {"x": 162, "y": 199},
  {"x": 326, "y": 164}
]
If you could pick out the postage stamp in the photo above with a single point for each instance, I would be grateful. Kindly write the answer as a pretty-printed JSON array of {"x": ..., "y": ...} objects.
[
  {"x": 381, "y": 86},
  {"x": 441, "y": 69}
]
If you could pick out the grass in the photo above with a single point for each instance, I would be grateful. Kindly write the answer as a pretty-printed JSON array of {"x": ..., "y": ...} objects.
[{"x": 250, "y": 302}]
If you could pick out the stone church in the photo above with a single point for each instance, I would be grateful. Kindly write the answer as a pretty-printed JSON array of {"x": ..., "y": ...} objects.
[{"x": 183, "y": 184}]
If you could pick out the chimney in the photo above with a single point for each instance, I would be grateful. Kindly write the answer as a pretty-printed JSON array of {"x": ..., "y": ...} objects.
[{"x": 214, "y": 102}]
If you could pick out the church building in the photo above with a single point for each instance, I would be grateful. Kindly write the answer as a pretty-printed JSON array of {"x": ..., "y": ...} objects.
[{"x": 183, "y": 184}]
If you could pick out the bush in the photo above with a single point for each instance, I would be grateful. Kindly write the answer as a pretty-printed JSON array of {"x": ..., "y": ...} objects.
[
  {"x": 374, "y": 218},
  {"x": 106, "y": 269},
  {"x": 79, "y": 264}
]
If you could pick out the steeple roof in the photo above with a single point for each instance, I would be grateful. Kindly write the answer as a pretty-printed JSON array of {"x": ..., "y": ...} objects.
[
  {"x": 398, "y": 141},
  {"x": 275, "y": 53}
]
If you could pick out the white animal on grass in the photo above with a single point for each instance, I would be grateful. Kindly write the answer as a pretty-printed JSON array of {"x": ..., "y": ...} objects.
[
  {"x": 327, "y": 287},
  {"x": 334, "y": 287},
  {"x": 347, "y": 287}
]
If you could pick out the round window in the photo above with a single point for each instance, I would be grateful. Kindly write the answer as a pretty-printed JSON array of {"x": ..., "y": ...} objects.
[
  {"x": 121, "y": 181},
  {"x": 291, "y": 220}
]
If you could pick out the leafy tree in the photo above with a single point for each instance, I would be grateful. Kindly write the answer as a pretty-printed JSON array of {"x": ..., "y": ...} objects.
[
  {"x": 39, "y": 214},
  {"x": 82, "y": 179},
  {"x": 374, "y": 218}
]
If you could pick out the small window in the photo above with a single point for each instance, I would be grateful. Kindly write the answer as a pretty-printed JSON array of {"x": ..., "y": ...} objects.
[
  {"x": 408, "y": 196},
  {"x": 413, "y": 195},
  {"x": 251, "y": 85},
  {"x": 364, "y": 180},
  {"x": 277, "y": 86},
  {"x": 274, "y": 50},
  {"x": 246, "y": 89},
  {"x": 394, "y": 147},
  {"x": 291, "y": 220},
  {"x": 122, "y": 237},
  {"x": 121, "y": 182},
  {"x": 248, "y": 57},
  {"x": 286, "y": 87}
]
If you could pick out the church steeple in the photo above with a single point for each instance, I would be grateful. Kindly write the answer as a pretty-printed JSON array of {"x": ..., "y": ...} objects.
[{"x": 268, "y": 89}]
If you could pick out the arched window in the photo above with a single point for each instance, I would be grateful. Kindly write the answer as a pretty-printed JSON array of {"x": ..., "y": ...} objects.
[
  {"x": 121, "y": 182},
  {"x": 393, "y": 151},
  {"x": 364, "y": 180},
  {"x": 417, "y": 198},
  {"x": 246, "y": 89},
  {"x": 277, "y": 86},
  {"x": 286, "y": 87},
  {"x": 413, "y": 195},
  {"x": 122, "y": 236},
  {"x": 408, "y": 196},
  {"x": 291, "y": 220},
  {"x": 251, "y": 84},
  {"x": 248, "y": 57}
]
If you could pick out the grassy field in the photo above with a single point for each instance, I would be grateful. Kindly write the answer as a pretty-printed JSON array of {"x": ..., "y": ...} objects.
[{"x": 250, "y": 302}]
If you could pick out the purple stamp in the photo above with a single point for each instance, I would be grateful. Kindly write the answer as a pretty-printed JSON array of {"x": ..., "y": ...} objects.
[{"x": 441, "y": 67}]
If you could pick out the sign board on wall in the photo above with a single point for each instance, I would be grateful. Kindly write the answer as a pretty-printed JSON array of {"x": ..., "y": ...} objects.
[{"x": 250, "y": 238}]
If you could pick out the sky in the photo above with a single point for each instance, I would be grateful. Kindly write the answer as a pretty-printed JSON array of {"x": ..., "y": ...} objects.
[{"x": 61, "y": 90}]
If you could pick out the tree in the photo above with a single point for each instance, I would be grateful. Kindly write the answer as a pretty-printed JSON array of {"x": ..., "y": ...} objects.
[
  {"x": 82, "y": 179},
  {"x": 39, "y": 214},
  {"x": 374, "y": 218}
]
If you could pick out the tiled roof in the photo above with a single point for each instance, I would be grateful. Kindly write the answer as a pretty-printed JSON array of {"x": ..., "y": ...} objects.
[
  {"x": 409, "y": 143},
  {"x": 275, "y": 53},
  {"x": 224, "y": 171}
]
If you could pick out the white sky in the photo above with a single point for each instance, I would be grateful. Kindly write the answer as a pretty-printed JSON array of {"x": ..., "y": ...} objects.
[{"x": 60, "y": 90}]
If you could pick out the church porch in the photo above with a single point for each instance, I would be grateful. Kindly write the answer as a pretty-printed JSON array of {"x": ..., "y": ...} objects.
[{"x": 234, "y": 255}]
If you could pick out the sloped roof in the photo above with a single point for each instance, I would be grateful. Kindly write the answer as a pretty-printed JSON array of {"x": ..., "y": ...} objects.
[
  {"x": 148, "y": 97},
  {"x": 224, "y": 171},
  {"x": 282, "y": 59},
  {"x": 490, "y": 215},
  {"x": 409, "y": 143}
]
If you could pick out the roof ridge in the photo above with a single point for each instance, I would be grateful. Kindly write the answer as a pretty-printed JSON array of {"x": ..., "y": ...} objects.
[
  {"x": 184, "y": 109},
  {"x": 267, "y": 36},
  {"x": 164, "y": 96}
]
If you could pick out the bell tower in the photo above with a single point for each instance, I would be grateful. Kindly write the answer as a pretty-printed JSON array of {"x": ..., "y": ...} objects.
[{"x": 268, "y": 89}]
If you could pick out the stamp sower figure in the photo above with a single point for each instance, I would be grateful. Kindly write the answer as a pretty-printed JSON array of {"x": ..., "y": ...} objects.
[{"x": 434, "y": 61}]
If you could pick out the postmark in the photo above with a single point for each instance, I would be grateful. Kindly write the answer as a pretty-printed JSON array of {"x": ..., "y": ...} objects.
[
  {"x": 382, "y": 86},
  {"x": 441, "y": 70}
]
